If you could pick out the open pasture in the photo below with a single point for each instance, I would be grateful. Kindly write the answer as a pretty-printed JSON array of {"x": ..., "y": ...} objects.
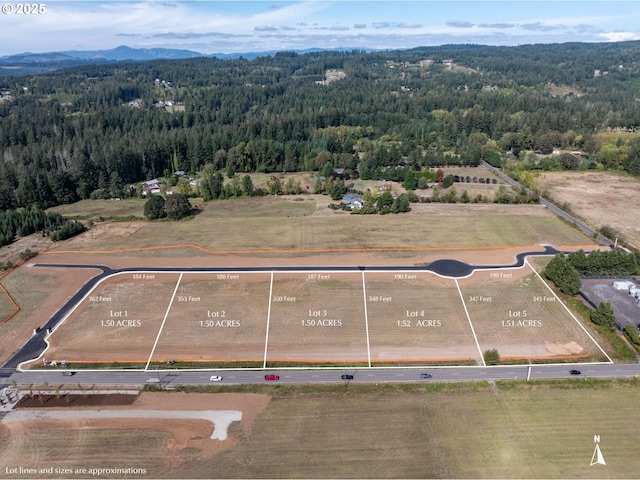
[
  {"x": 601, "y": 198},
  {"x": 420, "y": 430},
  {"x": 284, "y": 226},
  {"x": 86, "y": 209},
  {"x": 7, "y": 307}
]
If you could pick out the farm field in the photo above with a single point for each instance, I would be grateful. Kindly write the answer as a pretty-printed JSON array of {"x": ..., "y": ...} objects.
[
  {"x": 319, "y": 318},
  {"x": 601, "y": 198},
  {"x": 275, "y": 225},
  {"x": 507, "y": 430}
]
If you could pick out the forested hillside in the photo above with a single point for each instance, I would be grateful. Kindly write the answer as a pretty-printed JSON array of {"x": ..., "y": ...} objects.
[{"x": 69, "y": 133}]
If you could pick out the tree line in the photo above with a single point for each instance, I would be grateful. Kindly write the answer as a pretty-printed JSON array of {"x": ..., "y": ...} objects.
[{"x": 25, "y": 221}]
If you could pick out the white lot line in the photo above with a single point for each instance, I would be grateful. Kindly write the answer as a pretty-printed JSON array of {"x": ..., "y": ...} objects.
[
  {"x": 366, "y": 319},
  {"x": 266, "y": 339},
  {"x": 470, "y": 323},
  {"x": 221, "y": 419},
  {"x": 567, "y": 309},
  {"x": 166, "y": 314}
]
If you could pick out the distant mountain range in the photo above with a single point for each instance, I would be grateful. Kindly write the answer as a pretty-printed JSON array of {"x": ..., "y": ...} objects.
[
  {"x": 33, "y": 63},
  {"x": 124, "y": 53}
]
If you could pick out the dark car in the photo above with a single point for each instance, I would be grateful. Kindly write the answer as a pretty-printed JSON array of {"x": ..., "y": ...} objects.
[
  {"x": 425, "y": 375},
  {"x": 68, "y": 373},
  {"x": 575, "y": 372},
  {"x": 346, "y": 377},
  {"x": 271, "y": 377}
]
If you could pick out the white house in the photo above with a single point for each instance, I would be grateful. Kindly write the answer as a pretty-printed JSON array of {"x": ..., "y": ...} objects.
[{"x": 353, "y": 201}]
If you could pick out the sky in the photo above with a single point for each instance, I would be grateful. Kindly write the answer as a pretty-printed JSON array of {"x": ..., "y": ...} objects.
[{"x": 253, "y": 26}]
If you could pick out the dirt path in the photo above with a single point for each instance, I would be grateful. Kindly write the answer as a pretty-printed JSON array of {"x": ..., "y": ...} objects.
[{"x": 220, "y": 419}]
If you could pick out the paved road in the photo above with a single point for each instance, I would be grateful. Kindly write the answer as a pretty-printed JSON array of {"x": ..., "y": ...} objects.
[
  {"x": 35, "y": 345},
  {"x": 374, "y": 375},
  {"x": 555, "y": 209}
]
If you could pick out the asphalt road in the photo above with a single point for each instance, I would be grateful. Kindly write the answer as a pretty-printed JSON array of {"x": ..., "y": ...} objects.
[
  {"x": 166, "y": 378},
  {"x": 555, "y": 209}
]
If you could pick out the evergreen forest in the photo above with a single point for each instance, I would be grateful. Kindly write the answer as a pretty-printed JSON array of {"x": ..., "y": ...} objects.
[{"x": 96, "y": 129}]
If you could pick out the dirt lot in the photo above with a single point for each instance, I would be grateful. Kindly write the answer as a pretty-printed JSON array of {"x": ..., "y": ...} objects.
[
  {"x": 514, "y": 312},
  {"x": 417, "y": 319},
  {"x": 320, "y": 318},
  {"x": 602, "y": 198},
  {"x": 159, "y": 444},
  {"x": 124, "y": 321}
]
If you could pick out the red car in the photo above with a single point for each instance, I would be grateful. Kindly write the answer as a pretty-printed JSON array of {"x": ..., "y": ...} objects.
[{"x": 271, "y": 377}]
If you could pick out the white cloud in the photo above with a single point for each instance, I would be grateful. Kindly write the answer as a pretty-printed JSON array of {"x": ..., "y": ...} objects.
[
  {"x": 459, "y": 24},
  {"x": 208, "y": 26},
  {"x": 619, "y": 36}
]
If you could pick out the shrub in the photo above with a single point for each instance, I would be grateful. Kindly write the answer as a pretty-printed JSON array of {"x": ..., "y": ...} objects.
[
  {"x": 603, "y": 315},
  {"x": 447, "y": 181},
  {"x": 27, "y": 254},
  {"x": 154, "y": 208},
  {"x": 177, "y": 206},
  {"x": 491, "y": 357},
  {"x": 68, "y": 230},
  {"x": 632, "y": 334}
]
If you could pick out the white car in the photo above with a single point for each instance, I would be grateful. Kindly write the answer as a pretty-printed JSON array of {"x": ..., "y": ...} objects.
[{"x": 215, "y": 378}]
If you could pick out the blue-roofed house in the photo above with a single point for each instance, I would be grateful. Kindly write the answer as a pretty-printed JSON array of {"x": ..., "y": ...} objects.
[{"x": 353, "y": 201}]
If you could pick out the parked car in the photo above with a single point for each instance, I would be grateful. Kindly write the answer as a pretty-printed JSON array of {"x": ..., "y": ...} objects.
[
  {"x": 346, "y": 377},
  {"x": 271, "y": 377},
  {"x": 425, "y": 375},
  {"x": 215, "y": 378},
  {"x": 575, "y": 372},
  {"x": 68, "y": 373}
]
